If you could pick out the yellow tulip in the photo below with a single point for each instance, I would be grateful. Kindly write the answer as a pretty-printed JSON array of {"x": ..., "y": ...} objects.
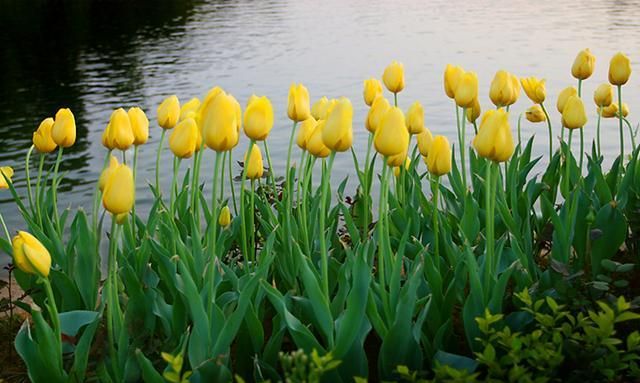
[
  {"x": 494, "y": 140},
  {"x": 452, "y": 76},
  {"x": 609, "y": 111},
  {"x": 258, "y": 118},
  {"x": 407, "y": 164},
  {"x": 320, "y": 108},
  {"x": 504, "y": 90},
  {"x": 121, "y": 218},
  {"x": 392, "y": 136},
  {"x": 139, "y": 125},
  {"x": 393, "y": 77},
  {"x": 119, "y": 134},
  {"x": 168, "y": 112},
  {"x": 583, "y": 65},
  {"x": 564, "y": 96},
  {"x": 190, "y": 108},
  {"x": 535, "y": 114},
  {"x": 238, "y": 111},
  {"x": 625, "y": 109},
  {"x": 603, "y": 96},
  {"x": 225, "y": 217},
  {"x": 63, "y": 131},
  {"x": 5, "y": 171},
  {"x": 306, "y": 128},
  {"x": 619, "y": 69},
  {"x": 439, "y": 159},
  {"x": 535, "y": 89},
  {"x": 30, "y": 255},
  {"x": 397, "y": 159},
  {"x": 415, "y": 118},
  {"x": 424, "y": 142},
  {"x": 106, "y": 173},
  {"x": 573, "y": 114},
  {"x": 378, "y": 109},
  {"x": 219, "y": 124},
  {"x": 467, "y": 90},
  {"x": 298, "y": 103},
  {"x": 254, "y": 163},
  {"x": 474, "y": 112},
  {"x": 515, "y": 86},
  {"x": 206, "y": 103},
  {"x": 337, "y": 134},
  {"x": 42, "y": 139},
  {"x": 119, "y": 190},
  {"x": 315, "y": 145},
  {"x": 372, "y": 89},
  {"x": 184, "y": 138}
]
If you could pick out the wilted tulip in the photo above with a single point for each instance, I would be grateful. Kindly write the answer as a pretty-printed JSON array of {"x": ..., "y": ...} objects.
[
  {"x": 220, "y": 123},
  {"x": 564, "y": 96},
  {"x": 535, "y": 89},
  {"x": 298, "y": 103},
  {"x": 42, "y": 139},
  {"x": 619, "y": 69},
  {"x": 337, "y": 134},
  {"x": 315, "y": 145},
  {"x": 535, "y": 114},
  {"x": 583, "y": 65},
  {"x": 393, "y": 77},
  {"x": 258, "y": 118},
  {"x": 378, "y": 109},
  {"x": 494, "y": 140},
  {"x": 5, "y": 171},
  {"x": 392, "y": 136},
  {"x": 184, "y": 138},
  {"x": 452, "y": 76},
  {"x": 439, "y": 158},
  {"x": 63, "y": 131},
  {"x": 372, "y": 89},
  {"x": 415, "y": 118},
  {"x": 119, "y": 191},
  {"x": 424, "y": 142},
  {"x": 467, "y": 90},
  {"x": 118, "y": 134},
  {"x": 30, "y": 255},
  {"x": 225, "y": 217},
  {"x": 139, "y": 125},
  {"x": 168, "y": 112},
  {"x": 573, "y": 114},
  {"x": 253, "y": 163}
]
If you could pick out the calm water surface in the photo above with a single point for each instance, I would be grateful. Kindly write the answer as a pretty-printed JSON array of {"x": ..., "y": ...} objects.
[{"x": 95, "y": 56}]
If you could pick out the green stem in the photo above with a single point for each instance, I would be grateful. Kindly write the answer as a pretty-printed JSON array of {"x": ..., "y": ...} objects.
[
  {"x": 293, "y": 131},
  {"x": 195, "y": 185},
  {"x": 38, "y": 192},
  {"x": 164, "y": 132},
  {"x": 4, "y": 227},
  {"x": 489, "y": 245},
  {"x": 27, "y": 165},
  {"x": 475, "y": 127},
  {"x": 463, "y": 147},
  {"x": 55, "y": 190},
  {"x": 519, "y": 133},
  {"x": 272, "y": 179},
  {"x": 55, "y": 318},
  {"x": 133, "y": 207},
  {"x": 97, "y": 194},
  {"x": 581, "y": 148},
  {"x": 111, "y": 292},
  {"x": 214, "y": 207},
  {"x": 233, "y": 189},
  {"x": 172, "y": 197},
  {"x": 243, "y": 228},
  {"x": 579, "y": 88},
  {"x": 380, "y": 225},
  {"x": 620, "y": 119},
  {"x": 633, "y": 138},
  {"x": 598, "y": 148},
  {"x": 546, "y": 115},
  {"x": 567, "y": 172},
  {"x": 395, "y": 99},
  {"x": 252, "y": 223},
  {"x": 324, "y": 256},
  {"x": 436, "y": 190},
  {"x": 222, "y": 180}
]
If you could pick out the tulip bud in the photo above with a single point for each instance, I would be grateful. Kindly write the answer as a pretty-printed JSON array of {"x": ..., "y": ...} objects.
[
  {"x": 139, "y": 125},
  {"x": 583, "y": 65},
  {"x": 397, "y": 159},
  {"x": 220, "y": 123},
  {"x": 474, "y": 112},
  {"x": 393, "y": 77},
  {"x": 609, "y": 111},
  {"x": 298, "y": 103},
  {"x": 494, "y": 140},
  {"x": 452, "y": 76},
  {"x": 424, "y": 142},
  {"x": 106, "y": 173},
  {"x": 535, "y": 89},
  {"x": 42, "y": 139},
  {"x": 407, "y": 164},
  {"x": 535, "y": 114},
  {"x": 306, "y": 128},
  {"x": 320, "y": 108},
  {"x": 573, "y": 114},
  {"x": 337, "y": 134},
  {"x": 168, "y": 112},
  {"x": 503, "y": 89},
  {"x": 63, "y": 131},
  {"x": 253, "y": 163},
  {"x": 467, "y": 90},
  {"x": 372, "y": 89},
  {"x": 258, "y": 118},
  {"x": 315, "y": 144},
  {"x": 392, "y": 136},
  {"x": 119, "y": 191},
  {"x": 30, "y": 255},
  {"x": 5, "y": 171},
  {"x": 225, "y": 217},
  {"x": 119, "y": 134},
  {"x": 564, "y": 96},
  {"x": 378, "y": 109},
  {"x": 190, "y": 109},
  {"x": 415, "y": 118},
  {"x": 439, "y": 159},
  {"x": 603, "y": 96},
  {"x": 619, "y": 69},
  {"x": 184, "y": 138}
]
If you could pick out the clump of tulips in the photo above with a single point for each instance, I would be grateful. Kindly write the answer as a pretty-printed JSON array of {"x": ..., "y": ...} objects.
[{"x": 207, "y": 286}]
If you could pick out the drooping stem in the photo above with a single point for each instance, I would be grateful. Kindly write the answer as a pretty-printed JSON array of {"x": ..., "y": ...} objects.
[
  {"x": 324, "y": 256},
  {"x": 164, "y": 132},
  {"x": 546, "y": 115},
  {"x": 620, "y": 119},
  {"x": 436, "y": 191},
  {"x": 27, "y": 166}
]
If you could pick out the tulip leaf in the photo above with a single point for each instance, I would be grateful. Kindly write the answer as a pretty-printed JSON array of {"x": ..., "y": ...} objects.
[{"x": 613, "y": 225}]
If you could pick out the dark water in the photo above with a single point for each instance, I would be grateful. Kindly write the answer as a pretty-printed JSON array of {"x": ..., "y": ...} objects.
[{"x": 94, "y": 56}]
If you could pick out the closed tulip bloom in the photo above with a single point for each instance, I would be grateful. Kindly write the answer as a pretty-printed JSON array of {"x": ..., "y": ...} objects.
[
  {"x": 42, "y": 139},
  {"x": 106, "y": 173},
  {"x": 220, "y": 125},
  {"x": 184, "y": 138},
  {"x": 439, "y": 158},
  {"x": 535, "y": 89},
  {"x": 372, "y": 89},
  {"x": 415, "y": 118},
  {"x": 467, "y": 90},
  {"x": 30, "y": 255},
  {"x": 583, "y": 65},
  {"x": 564, "y": 96},
  {"x": 254, "y": 163},
  {"x": 424, "y": 142},
  {"x": 306, "y": 128},
  {"x": 119, "y": 191},
  {"x": 452, "y": 76},
  {"x": 206, "y": 103},
  {"x": 603, "y": 96},
  {"x": 316, "y": 145},
  {"x": 258, "y": 118},
  {"x": 190, "y": 108},
  {"x": 168, "y": 112},
  {"x": 535, "y": 114},
  {"x": 392, "y": 136},
  {"x": 502, "y": 92},
  {"x": 619, "y": 69},
  {"x": 225, "y": 217},
  {"x": 494, "y": 140},
  {"x": 238, "y": 111},
  {"x": 298, "y": 103},
  {"x": 609, "y": 111},
  {"x": 5, "y": 171},
  {"x": 393, "y": 77},
  {"x": 320, "y": 108},
  {"x": 573, "y": 114},
  {"x": 398, "y": 159},
  {"x": 338, "y": 131},
  {"x": 119, "y": 134},
  {"x": 474, "y": 112},
  {"x": 139, "y": 125},
  {"x": 515, "y": 87},
  {"x": 63, "y": 131},
  {"x": 378, "y": 109}
]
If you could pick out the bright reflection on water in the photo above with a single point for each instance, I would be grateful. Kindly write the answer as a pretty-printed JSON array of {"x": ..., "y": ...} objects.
[{"x": 95, "y": 56}]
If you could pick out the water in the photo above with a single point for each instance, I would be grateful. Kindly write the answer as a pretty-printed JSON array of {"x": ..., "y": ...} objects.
[{"x": 95, "y": 56}]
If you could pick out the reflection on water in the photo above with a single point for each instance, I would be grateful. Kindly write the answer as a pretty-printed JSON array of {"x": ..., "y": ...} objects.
[{"x": 94, "y": 56}]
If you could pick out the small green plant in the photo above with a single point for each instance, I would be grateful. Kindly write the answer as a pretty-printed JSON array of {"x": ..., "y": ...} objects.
[{"x": 302, "y": 368}]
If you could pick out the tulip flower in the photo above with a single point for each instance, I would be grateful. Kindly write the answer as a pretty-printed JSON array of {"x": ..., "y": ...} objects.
[
  {"x": 564, "y": 96},
  {"x": 315, "y": 144},
  {"x": 619, "y": 69},
  {"x": 452, "y": 76},
  {"x": 320, "y": 108},
  {"x": 415, "y": 118},
  {"x": 225, "y": 217},
  {"x": 603, "y": 95},
  {"x": 190, "y": 109},
  {"x": 372, "y": 89},
  {"x": 258, "y": 118},
  {"x": 306, "y": 128},
  {"x": 397, "y": 159},
  {"x": 504, "y": 89},
  {"x": 63, "y": 131},
  {"x": 407, "y": 164},
  {"x": 220, "y": 123},
  {"x": 393, "y": 77},
  {"x": 106, "y": 173},
  {"x": 253, "y": 162},
  {"x": 298, "y": 103},
  {"x": 573, "y": 114},
  {"x": 535, "y": 114},
  {"x": 378, "y": 109},
  {"x": 42, "y": 139},
  {"x": 5, "y": 171},
  {"x": 168, "y": 112},
  {"x": 392, "y": 136},
  {"x": 118, "y": 134},
  {"x": 139, "y": 125},
  {"x": 609, "y": 111},
  {"x": 119, "y": 190},
  {"x": 535, "y": 89},
  {"x": 473, "y": 113},
  {"x": 494, "y": 140},
  {"x": 30, "y": 255},
  {"x": 467, "y": 90},
  {"x": 337, "y": 134},
  {"x": 205, "y": 105},
  {"x": 184, "y": 138},
  {"x": 583, "y": 65},
  {"x": 424, "y": 142},
  {"x": 516, "y": 89},
  {"x": 438, "y": 159}
]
